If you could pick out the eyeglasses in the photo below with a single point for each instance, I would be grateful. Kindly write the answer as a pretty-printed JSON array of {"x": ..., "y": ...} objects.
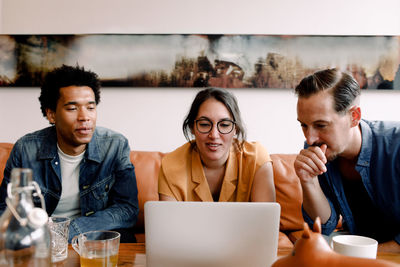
[{"x": 223, "y": 126}]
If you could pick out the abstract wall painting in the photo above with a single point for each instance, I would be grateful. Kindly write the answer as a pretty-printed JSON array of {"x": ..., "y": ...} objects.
[{"x": 189, "y": 60}]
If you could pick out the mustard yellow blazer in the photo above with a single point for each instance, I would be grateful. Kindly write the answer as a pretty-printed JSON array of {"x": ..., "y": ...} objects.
[{"x": 182, "y": 177}]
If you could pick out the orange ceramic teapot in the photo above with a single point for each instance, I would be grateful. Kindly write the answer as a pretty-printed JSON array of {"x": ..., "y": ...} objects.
[{"x": 312, "y": 250}]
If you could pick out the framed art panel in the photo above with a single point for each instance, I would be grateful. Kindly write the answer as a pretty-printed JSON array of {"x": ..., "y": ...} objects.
[{"x": 188, "y": 60}]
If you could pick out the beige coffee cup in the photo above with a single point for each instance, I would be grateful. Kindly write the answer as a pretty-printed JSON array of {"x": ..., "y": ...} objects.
[{"x": 355, "y": 246}]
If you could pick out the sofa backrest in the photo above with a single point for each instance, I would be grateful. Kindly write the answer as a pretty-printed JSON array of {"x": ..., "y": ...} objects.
[
  {"x": 288, "y": 192},
  {"x": 5, "y": 150},
  {"x": 147, "y": 165}
]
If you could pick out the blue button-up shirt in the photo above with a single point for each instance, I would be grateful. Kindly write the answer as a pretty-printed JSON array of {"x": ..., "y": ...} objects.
[
  {"x": 107, "y": 181},
  {"x": 379, "y": 167}
]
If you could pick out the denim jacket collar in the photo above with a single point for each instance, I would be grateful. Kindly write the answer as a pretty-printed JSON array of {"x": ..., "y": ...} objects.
[
  {"x": 92, "y": 149},
  {"x": 48, "y": 150}
]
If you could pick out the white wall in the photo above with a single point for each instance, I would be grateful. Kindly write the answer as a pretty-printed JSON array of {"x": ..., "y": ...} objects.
[
  {"x": 152, "y": 118},
  {"x": 202, "y": 16}
]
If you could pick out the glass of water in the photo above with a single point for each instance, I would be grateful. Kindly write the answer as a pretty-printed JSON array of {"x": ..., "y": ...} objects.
[{"x": 59, "y": 229}]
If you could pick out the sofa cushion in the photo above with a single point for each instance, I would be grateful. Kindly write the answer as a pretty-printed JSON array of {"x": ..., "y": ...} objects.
[
  {"x": 284, "y": 241},
  {"x": 288, "y": 192}
]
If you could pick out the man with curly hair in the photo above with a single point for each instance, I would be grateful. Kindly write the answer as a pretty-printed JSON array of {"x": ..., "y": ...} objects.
[{"x": 84, "y": 171}]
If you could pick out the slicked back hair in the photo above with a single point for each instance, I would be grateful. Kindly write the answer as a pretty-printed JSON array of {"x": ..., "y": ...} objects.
[{"x": 344, "y": 88}]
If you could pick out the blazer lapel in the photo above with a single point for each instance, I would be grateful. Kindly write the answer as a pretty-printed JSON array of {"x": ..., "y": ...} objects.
[{"x": 202, "y": 189}]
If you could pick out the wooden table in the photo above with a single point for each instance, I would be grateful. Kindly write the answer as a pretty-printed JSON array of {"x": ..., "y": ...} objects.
[
  {"x": 131, "y": 254},
  {"x": 393, "y": 257}
]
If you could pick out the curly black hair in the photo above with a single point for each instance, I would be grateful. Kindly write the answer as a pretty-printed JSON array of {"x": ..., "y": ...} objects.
[{"x": 65, "y": 76}]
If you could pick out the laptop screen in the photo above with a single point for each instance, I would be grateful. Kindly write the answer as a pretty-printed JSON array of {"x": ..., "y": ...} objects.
[{"x": 212, "y": 234}]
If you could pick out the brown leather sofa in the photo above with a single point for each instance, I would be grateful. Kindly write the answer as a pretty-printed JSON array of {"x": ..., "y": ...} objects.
[{"x": 147, "y": 164}]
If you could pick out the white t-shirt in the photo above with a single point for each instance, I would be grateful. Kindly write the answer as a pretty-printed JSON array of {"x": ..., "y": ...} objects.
[{"x": 69, "y": 204}]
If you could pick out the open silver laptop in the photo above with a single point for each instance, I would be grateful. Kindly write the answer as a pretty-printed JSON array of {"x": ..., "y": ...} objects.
[{"x": 212, "y": 234}]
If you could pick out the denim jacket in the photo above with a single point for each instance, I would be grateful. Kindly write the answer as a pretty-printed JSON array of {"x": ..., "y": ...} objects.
[
  {"x": 107, "y": 181},
  {"x": 379, "y": 167}
]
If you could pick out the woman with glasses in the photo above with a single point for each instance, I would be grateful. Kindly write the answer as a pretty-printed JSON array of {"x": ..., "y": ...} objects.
[{"x": 217, "y": 163}]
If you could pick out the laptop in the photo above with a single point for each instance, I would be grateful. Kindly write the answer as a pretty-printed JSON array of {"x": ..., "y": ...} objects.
[{"x": 212, "y": 234}]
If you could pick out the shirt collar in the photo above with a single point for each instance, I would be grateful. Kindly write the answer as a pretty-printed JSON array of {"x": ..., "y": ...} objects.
[{"x": 364, "y": 157}]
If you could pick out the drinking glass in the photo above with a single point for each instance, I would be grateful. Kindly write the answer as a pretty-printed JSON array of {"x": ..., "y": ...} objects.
[
  {"x": 59, "y": 230},
  {"x": 97, "y": 248}
]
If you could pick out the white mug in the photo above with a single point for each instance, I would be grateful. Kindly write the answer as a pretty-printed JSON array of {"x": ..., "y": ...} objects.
[{"x": 355, "y": 246}]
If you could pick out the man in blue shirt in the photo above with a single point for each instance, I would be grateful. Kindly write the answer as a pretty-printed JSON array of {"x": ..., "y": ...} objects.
[
  {"x": 349, "y": 166},
  {"x": 84, "y": 171}
]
